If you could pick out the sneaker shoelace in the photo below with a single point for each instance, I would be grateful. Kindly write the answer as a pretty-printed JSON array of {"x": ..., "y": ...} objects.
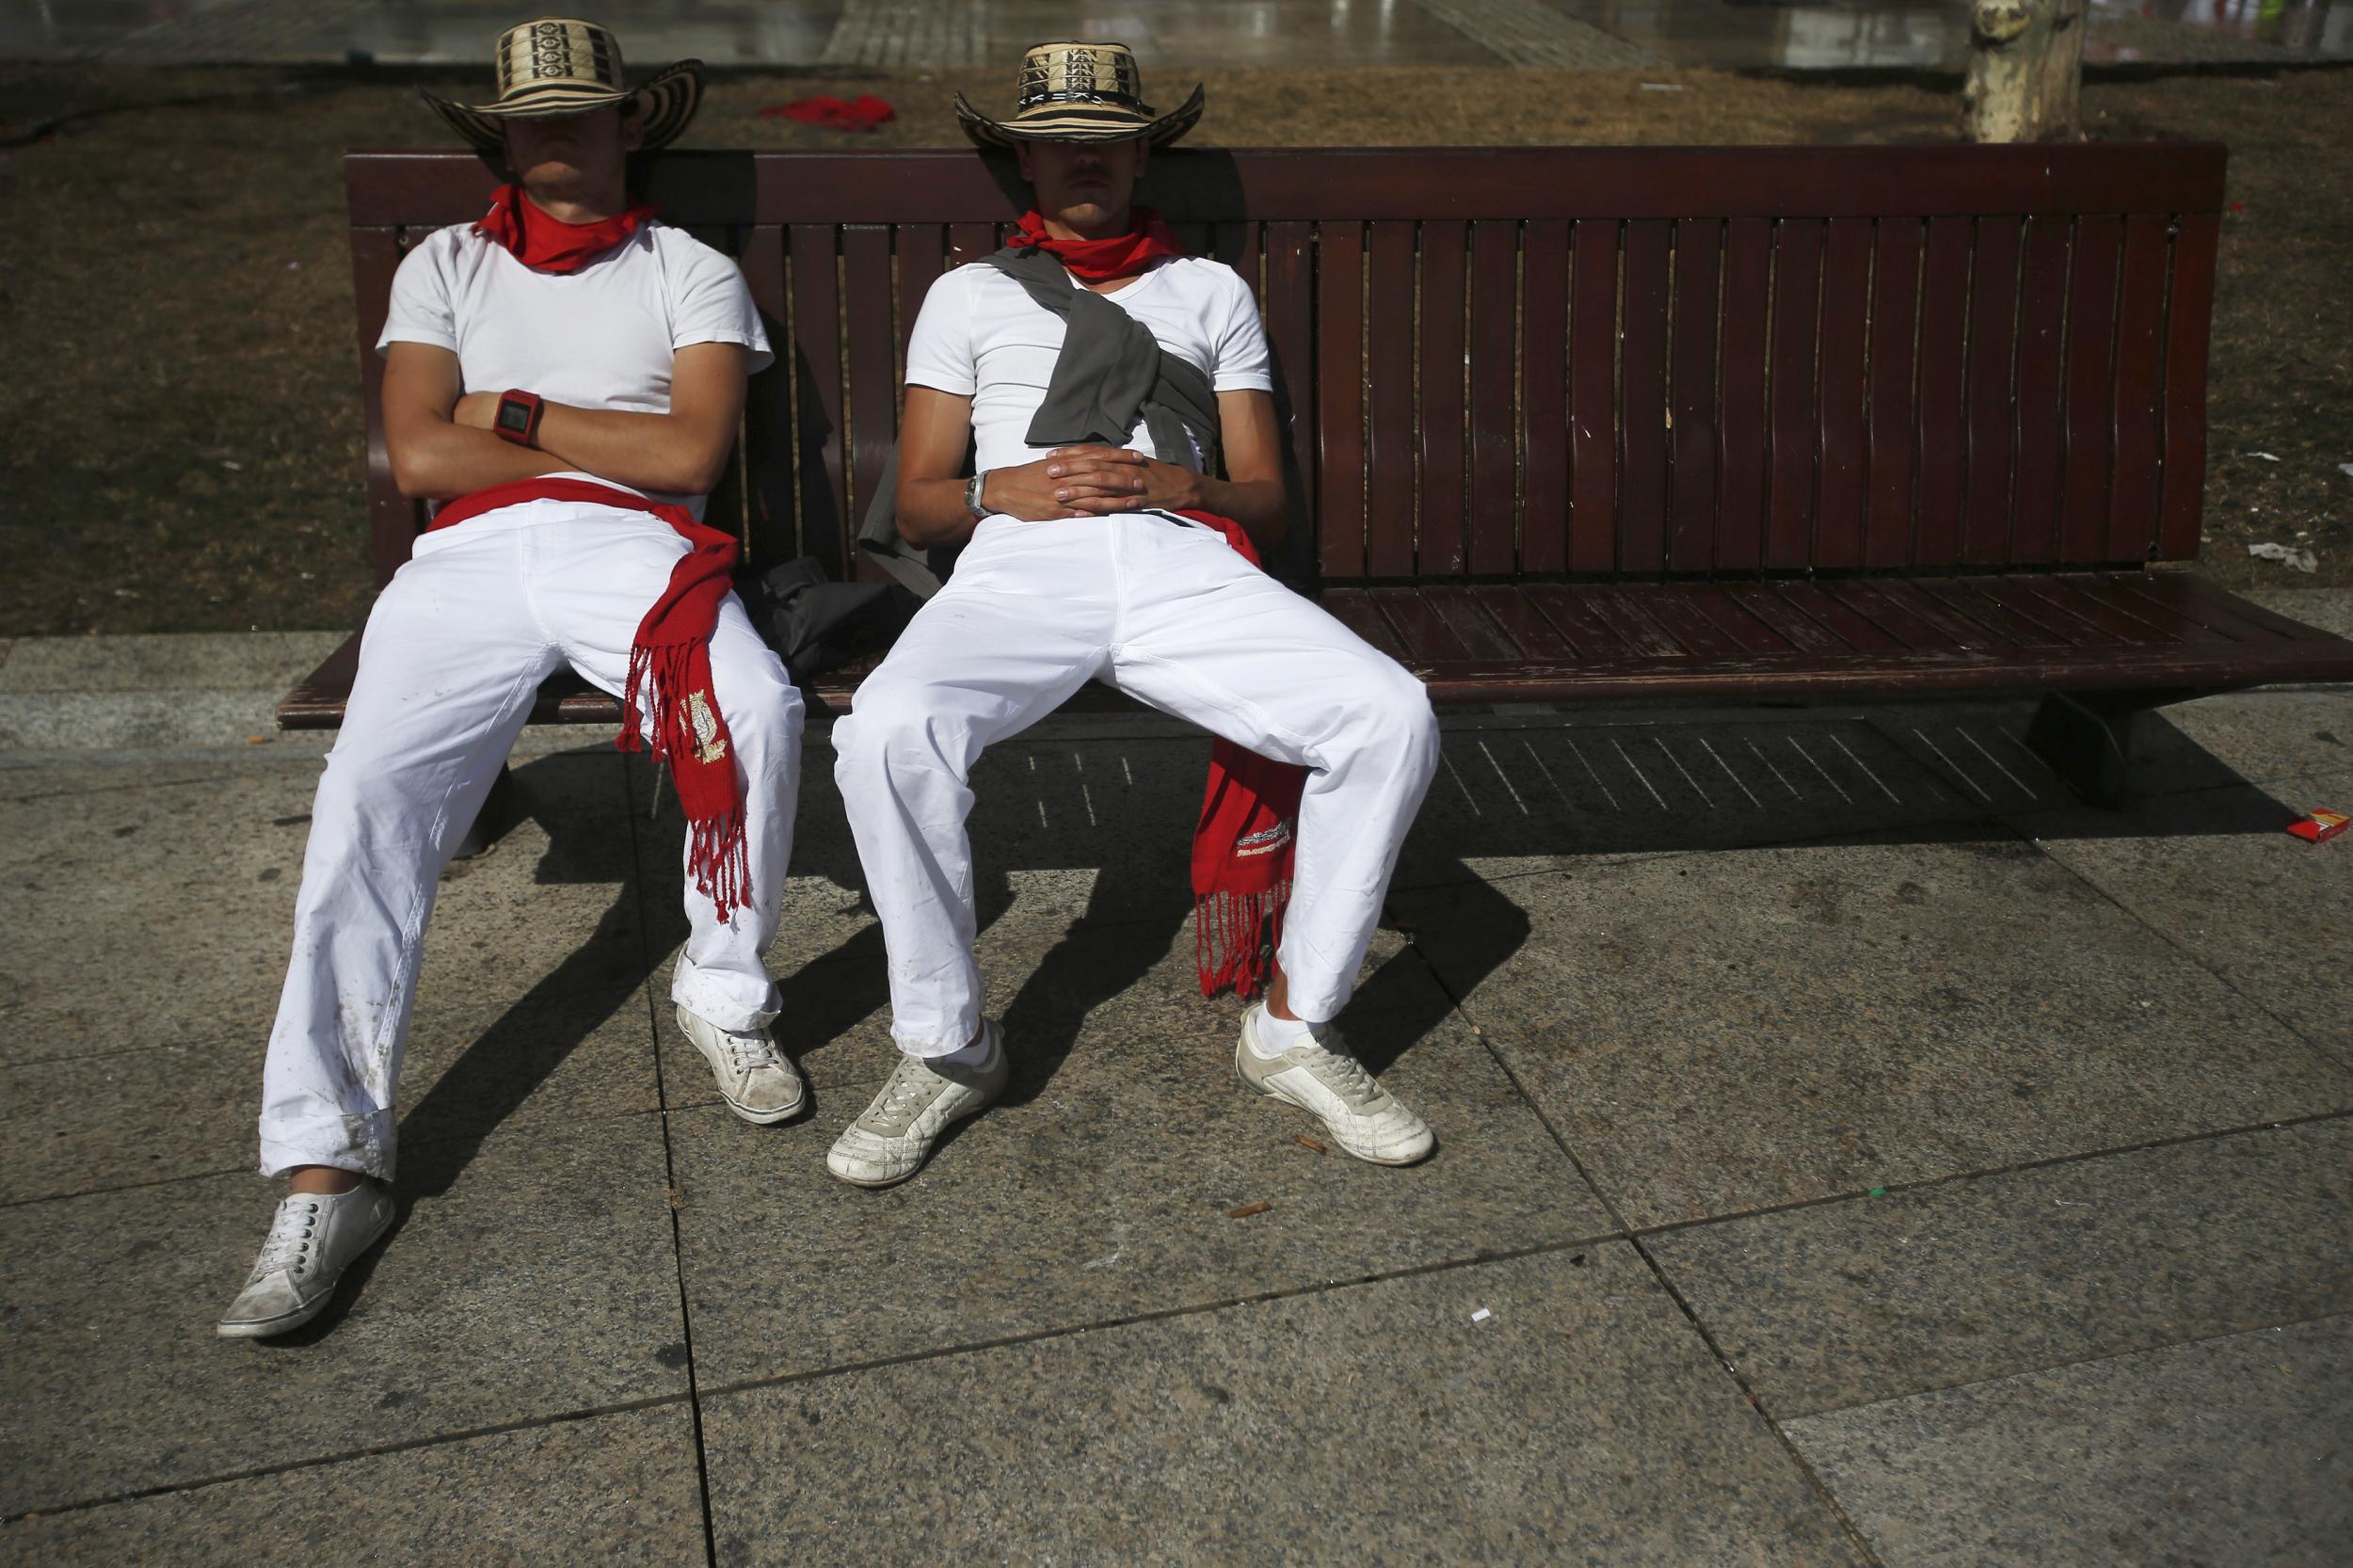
[
  {"x": 1342, "y": 1072},
  {"x": 290, "y": 1233},
  {"x": 751, "y": 1052},
  {"x": 911, "y": 1084}
]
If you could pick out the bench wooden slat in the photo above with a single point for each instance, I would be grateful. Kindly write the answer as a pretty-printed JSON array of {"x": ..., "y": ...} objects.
[
  {"x": 1544, "y": 521},
  {"x": 1765, "y": 602},
  {"x": 1741, "y": 413},
  {"x": 1389, "y": 309},
  {"x": 1705, "y": 628},
  {"x": 922, "y": 257},
  {"x": 772, "y": 518},
  {"x": 1843, "y": 457},
  {"x": 1944, "y": 336},
  {"x": 1340, "y": 398},
  {"x": 1537, "y": 637},
  {"x": 1691, "y": 541},
  {"x": 2221, "y": 617},
  {"x": 1566, "y": 610},
  {"x": 2033, "y": 531},
  {"x": 2089, "y": 459},
  {"x": 1997, "y": 618},
  {"x": 376, "y": 255},
  {"x": 1642, "y": 400},
  {"x": 1354, "y": 609},
  {"x": 1289, "y": 300},
  {"x": 873, "y": 369},
  {"x": 2018, "y": 607},
  {"x": 2139, "y": 360},
  {"x": 1496, "y": 422},
  {"x": 1420, "y": 626},
  {"x": 2121, "y": 621},
  {"x": 1796, "y": 307},
  {"x": 816, "y": 356},
  {"x": 1460, "y": 609},
  {"x": 1894, "y": 433},
  {"x": 1840, "y": 620},
  {"x": 2188, "y": 319},
  {"x": 1868, "y": 598},
  {"x": 1619, "y": 607},
  {"x": 1594, "y": 396},
  {"x": 1442, "y": 547},
  {"x": 1992, "y": 398}
]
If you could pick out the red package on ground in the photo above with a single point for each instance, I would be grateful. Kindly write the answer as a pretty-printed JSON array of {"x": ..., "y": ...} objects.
[
  {"x": 2320, "y": 826},
  {"x": 862, "y": 113}
]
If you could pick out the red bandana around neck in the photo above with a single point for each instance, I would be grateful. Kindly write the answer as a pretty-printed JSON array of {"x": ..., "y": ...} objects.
[
  {"x": 1100, "y": 260},
  {"x": 669, "y": 675},
  {"x": 546, "y": 244}
]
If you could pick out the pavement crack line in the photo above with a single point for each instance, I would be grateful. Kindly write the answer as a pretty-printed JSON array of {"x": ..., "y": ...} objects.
[
  {"x": 670, "y": 1159},
  {"x": 1691, "y": 1316}
]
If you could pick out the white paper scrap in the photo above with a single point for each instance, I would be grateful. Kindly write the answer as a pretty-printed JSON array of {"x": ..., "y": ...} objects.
[{"x": 1482, "y": 1316}]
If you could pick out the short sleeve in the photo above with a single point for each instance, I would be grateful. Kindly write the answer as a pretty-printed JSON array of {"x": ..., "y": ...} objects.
[
  {"x": 1242, "y": 363},
  {"x": 940, "y": 349},
  {"x": 421, "y": 309},
  {"x": 711, "y": 303}
]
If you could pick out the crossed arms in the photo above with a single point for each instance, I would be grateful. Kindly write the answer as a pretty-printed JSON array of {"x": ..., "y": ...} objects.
[{"x": 439, "y": 439}]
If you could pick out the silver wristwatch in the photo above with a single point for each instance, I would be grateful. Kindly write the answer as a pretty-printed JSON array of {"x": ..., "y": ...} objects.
[{"x": 972, "y": 497}]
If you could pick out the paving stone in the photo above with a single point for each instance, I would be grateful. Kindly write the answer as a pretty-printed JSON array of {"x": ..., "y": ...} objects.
[
  {"x": 531, "y": 1277},
  {"x": 2219, "y": 875},
  {"x": 1580, "y": 1421},
  {"x": 2260, "y": 737},
  {"x": 1721, "y": 1033},
  {"x": 2225, "y": 1452},
  {"x": 181, "y": 662},
  {"x": 616, "y": 1488},
  {"x": 1103, "y": 1185},
  {"x": 1843, "y": 1304}
]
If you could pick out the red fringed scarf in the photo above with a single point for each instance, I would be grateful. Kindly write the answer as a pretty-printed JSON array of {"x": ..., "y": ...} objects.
[
  {"x": 1242, "y": 848},
  {"x": 1101, "y": 260},
  {"x": 546, "y": 244},
  {"x": 669, "y": 675}
]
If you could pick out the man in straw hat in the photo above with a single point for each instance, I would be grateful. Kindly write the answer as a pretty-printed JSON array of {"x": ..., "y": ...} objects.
[
  {"x": 565, "y": 376},
  {"x": 1118, "y": 396}
]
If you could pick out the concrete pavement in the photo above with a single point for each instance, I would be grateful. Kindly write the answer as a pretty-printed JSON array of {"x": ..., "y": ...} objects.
[{"x": 1850, "y": 1151}]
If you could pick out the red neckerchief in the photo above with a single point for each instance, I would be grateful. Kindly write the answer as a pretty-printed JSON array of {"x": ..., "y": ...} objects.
[
  {"x": 669, "y": 672},
  {"x": 1100, "y": 260},
  {"x": 546, "y": 244},
  {"x": 1242, "y": 848}
]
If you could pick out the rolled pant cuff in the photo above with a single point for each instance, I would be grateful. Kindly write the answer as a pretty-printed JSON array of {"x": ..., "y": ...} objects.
[
  {"x": 930, "y": 1045},
  {"x": 712, "y": 1005},
  {"x": 366, "y": 1144}
]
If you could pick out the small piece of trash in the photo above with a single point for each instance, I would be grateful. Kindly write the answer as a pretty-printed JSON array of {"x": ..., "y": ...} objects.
[
  {"x": 2062, "y": 1203},
  {"x": 294, "y": 266},
  {"x": 235, "y": 468},
  {"x": 1306, "y": 1142},
  {"x": 1879, "y": 1191},
  {"x": 1247, "y": 1209},
  {"x": 2346, "y": 469},
  {"x": 2319, "y": 826},
  {"x": 2287, "y": 555},
  {"x": 1482, "y": 1316},
  {"x": 1664, "y": 86},
  {"x": 257, "y": 739},
  {"x": 2266, "y": 457}
]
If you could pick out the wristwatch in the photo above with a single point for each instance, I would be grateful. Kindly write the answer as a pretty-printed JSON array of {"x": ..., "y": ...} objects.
[
  {"x": 517, "y": 418},
  {"x": 972, "y": 497}
]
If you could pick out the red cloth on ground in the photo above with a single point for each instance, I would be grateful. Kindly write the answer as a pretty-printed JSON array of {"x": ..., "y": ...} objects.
[
  {"x": 669, "y": 674},
  {"x": 546, "y": 244},
  {"x": 862, "y": 113},
  {"x": 1244, "y": 848},
  {"x": 1101, "y": 260}
]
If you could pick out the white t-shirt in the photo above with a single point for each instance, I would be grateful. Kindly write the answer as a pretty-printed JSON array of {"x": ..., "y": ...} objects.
[
  {"x": 981, "y": 336},
  {"x": 600, "y": 338}
]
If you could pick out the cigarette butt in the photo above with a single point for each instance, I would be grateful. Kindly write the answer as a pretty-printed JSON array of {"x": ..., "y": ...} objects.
[
  {"x": 1247, "y": 1209},
  {"x": 1306, "y": 1142},
  {"x": 257, "y": 739}
]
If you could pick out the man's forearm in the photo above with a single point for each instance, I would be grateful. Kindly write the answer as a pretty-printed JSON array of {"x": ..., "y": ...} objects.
[
  {"x": 1255, "y": 504},
  {"x": 442, "y": 462},
  {"x": 646, "y": 452},
  {"x": 932, "y": 513}
]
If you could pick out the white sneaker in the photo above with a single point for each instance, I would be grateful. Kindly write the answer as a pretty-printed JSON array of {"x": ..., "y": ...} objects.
[
  {"x": 890, "y": 1141},
  {"x": 759, "y": 1081},
  {"x": 1322, "y": 1079},
  {"x": 312, "y": 1238}
]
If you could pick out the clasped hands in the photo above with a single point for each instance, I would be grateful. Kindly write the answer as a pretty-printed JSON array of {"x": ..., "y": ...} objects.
[{"x": 1089, "y": 482}]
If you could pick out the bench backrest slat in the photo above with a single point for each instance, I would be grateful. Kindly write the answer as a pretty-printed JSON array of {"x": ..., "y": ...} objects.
[{"x": 1533, "y": 361}]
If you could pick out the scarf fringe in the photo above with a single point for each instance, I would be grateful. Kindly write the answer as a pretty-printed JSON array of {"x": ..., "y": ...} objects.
[
  {"x": 719, "y": 852},
  {"x": 1236, "y": 936}
]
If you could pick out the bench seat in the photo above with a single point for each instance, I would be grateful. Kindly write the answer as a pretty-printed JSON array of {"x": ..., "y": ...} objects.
[{"x": 1766, "y": 638}]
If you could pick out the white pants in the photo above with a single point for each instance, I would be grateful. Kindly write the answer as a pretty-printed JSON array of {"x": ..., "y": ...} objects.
[
  {"x": 1168, "y": 613},
  {"x": 455, "y": 651}
]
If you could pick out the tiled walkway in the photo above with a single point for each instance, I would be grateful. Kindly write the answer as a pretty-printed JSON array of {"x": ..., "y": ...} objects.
[
  {"x": 1850, "y": 1151},
  {"x": 1573, "y": 34}
]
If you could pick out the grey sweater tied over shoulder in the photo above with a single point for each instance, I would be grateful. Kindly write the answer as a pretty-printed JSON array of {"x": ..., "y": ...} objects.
[{"x": 1112, "y": 369}]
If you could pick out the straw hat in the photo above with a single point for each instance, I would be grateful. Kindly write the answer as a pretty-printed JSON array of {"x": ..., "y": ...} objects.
[
  {"x": 1080, "y": 92},
  {"x": 556, "y": 66}
]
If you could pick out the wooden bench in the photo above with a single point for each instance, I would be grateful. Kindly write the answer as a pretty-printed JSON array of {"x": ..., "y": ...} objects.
[{"x": 1577, "y": 424}]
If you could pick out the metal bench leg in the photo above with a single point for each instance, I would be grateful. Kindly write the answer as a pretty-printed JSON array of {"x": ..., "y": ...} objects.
[
  {"x": 2087, "y": 739},
  {"x": 491, "y": 823}
]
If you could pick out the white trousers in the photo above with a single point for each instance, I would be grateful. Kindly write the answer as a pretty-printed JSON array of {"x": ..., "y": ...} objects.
[
  {"x": 1168, "y": 613},
  {"x": 455, "y": 650}
]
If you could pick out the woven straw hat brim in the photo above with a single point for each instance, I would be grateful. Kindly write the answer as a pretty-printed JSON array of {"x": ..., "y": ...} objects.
[
  {"x": 1078, "y": 123},
  {"x": 664, "y": 105}
]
